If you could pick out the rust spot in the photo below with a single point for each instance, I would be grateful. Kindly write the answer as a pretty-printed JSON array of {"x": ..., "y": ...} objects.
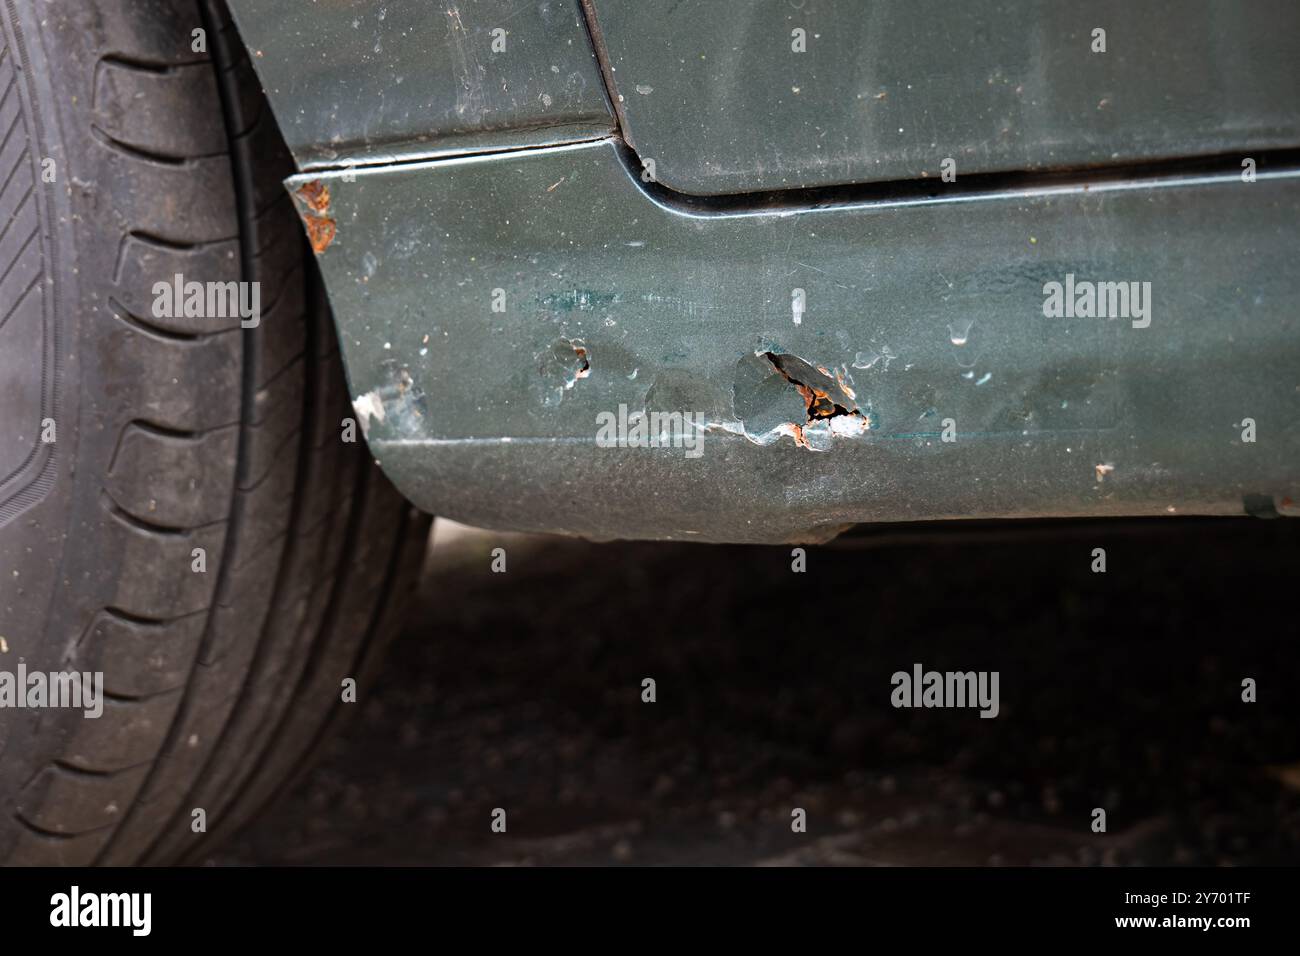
[
  {"x": 320, "y": 225},
  {"x": 316, "y": 196},
  {"x": 584, "y": 366},
  {"x": 320, "y": 232}
]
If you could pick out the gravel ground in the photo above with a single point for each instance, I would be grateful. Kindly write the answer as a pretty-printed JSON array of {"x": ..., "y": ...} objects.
[{"x": 1120, "y": 690}]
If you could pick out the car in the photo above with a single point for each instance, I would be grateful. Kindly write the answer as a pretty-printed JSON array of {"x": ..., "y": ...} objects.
[{"x": 281, "y": 279}]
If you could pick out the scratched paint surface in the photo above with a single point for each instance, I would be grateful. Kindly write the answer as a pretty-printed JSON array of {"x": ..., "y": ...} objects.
[
  {"x": 360, "y": 80},
  {"x": 465, "y": 287},
  {"x": 887, "y": 89}
]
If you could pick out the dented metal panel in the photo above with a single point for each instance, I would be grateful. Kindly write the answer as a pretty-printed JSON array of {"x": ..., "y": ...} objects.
[
  {"x": 358, "y": 81},
  {"x": 738, "y": 97},
  {"x": 881, "y": 356}
]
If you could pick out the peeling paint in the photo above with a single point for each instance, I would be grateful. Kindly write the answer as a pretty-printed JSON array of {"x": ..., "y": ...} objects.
[
  {"x": 368, "y": 406},
  {"x": 563, "y": 365},
  {"x": 399, "y": 406}
]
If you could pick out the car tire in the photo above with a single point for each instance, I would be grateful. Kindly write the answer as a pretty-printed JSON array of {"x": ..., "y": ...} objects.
[{"x": 180, "y": 508}]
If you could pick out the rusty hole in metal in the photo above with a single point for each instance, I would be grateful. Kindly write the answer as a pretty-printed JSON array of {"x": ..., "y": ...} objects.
[{"x": 818, "y": 401}]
